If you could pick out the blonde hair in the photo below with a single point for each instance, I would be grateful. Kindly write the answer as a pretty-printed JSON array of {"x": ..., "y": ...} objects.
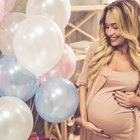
[{"x": 127, "y": 13}]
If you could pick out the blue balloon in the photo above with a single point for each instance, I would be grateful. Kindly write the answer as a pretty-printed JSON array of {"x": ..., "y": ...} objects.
[
  {"x": 56, "y": 99},
  {"x": 15, "y": 80}
]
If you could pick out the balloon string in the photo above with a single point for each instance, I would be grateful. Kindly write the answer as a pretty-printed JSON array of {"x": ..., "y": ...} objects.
[
  {"x": 33, "y": 105},
  {"x": 37, "y": 116},
  {"x": 30, "y": 103},
  {"x": 36, "y": 119}
]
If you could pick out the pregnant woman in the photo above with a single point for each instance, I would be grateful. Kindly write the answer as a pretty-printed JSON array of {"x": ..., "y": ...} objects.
[{"x": 109, "y": 80}]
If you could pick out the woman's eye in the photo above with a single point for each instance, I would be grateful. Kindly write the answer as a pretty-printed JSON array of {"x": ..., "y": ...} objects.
[{"x": 115, "y": 26}]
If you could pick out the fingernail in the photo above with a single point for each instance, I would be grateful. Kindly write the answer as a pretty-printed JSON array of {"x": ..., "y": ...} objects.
[
  {"x": 102, "y": 131},
  {"x": 113, "y": 94},
  {"x": 115, "y": 98}
]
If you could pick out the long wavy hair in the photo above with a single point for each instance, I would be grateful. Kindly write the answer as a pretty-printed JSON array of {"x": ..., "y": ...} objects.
[{"x": 127, "y": 14}]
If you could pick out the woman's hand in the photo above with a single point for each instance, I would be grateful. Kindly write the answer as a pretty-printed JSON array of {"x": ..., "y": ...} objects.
[
  {"x": 94, "y": 129},
  {"x": 126, "y": 99}
]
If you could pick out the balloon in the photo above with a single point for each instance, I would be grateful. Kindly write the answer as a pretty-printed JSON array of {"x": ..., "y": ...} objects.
[
  {"x": 138, "y": 1},
  {"x": 2, "y": 8},
  {"x": 57, "y": 10},
  {"x": 65, "y": 67},
  {"x": 16, "y": 120},
  {"x": 38, "y": 44},
  {"x": 7, "y": 30},
  {"x": 56, "y": 99},
  {"x": 9, "y": 4},
  {"x": 15, "y": 80}
]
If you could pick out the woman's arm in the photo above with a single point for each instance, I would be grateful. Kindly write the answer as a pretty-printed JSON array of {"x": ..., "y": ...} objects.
[{"x": 82, "y": 94}]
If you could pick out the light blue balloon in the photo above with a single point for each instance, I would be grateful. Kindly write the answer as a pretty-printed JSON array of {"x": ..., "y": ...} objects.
[
  {"x": 56, "y": 99},
  {"x": 15, "y": 80}
]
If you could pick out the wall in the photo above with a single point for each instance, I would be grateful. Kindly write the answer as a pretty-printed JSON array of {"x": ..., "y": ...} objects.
[{"x": 86, "y": 2}]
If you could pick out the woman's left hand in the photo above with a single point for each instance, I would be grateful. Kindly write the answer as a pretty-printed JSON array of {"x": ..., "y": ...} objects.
[{"x": 126, "y": 99}]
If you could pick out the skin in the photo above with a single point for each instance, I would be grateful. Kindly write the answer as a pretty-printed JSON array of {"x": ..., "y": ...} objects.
[{"x": 120, "y": 62}]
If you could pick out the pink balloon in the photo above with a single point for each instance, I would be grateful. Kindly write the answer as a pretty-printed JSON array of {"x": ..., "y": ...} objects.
[
  {"x": 65, "y": 67},
  {"x": 2, "y": 9},
  {"x": 9, "y": 4}
]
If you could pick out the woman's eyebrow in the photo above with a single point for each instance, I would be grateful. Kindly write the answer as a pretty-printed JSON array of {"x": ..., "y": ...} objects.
[{"x": 111, "y": 23}]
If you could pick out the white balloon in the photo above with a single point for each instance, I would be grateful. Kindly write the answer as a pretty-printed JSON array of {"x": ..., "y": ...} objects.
[
  {"x": 57, "y": 10},
  {"x": 138, "y": 1},
  {"x": 38, "y": 44},
  {"x": 16, "y": 120},
  {"x": 7, "y": 30}
]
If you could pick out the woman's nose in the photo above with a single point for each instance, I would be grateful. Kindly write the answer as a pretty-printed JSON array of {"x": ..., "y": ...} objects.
[{"x": 110, "y": 31}]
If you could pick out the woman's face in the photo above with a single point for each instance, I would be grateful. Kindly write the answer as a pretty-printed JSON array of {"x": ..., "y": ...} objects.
[{"x": 112, "y": 30}]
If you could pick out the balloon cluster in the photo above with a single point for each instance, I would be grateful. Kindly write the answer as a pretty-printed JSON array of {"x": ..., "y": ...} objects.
[{"x": 35, "y": 61}]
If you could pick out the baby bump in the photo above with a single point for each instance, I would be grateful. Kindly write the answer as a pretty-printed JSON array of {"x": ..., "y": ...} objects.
[{"x": 105, "y": 113}]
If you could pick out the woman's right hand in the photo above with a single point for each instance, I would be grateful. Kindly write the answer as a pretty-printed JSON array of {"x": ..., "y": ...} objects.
[{"x": 97, "y": 131}]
